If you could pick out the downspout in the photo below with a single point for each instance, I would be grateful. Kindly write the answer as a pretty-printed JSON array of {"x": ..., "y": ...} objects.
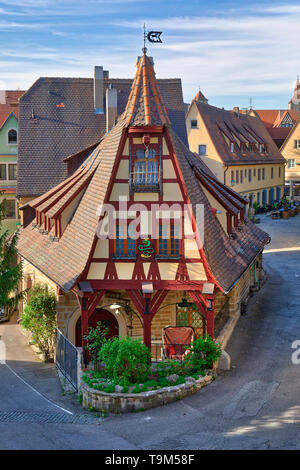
[{"x": 225, "y": 174}]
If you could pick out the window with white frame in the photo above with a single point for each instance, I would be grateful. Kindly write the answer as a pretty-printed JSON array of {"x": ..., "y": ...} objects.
[
  {"x": 297, "y": 144},
  {"x": 12, "y": 137},
  {"x": 8, "y": 172},
  {"x": 291, "y": 163}
]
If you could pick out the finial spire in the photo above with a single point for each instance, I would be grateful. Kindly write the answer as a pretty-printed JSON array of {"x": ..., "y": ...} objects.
[{"x": 145, "y": 37}]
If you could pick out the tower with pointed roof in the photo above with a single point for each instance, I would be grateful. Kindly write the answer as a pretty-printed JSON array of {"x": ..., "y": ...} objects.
[
  {"x": 294, "y": 102},
  {"x": 123, "y": 229}
]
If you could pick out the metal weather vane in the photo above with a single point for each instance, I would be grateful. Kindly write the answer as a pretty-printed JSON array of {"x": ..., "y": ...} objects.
[{"x": 151, "y": 36}]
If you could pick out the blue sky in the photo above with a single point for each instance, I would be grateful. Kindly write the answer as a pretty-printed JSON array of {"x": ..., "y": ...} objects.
[{"x": 232, "y": 50}]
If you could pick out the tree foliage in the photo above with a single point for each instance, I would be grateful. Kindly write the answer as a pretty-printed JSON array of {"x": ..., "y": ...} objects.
[
  {"x": 10, "y": 269},
  {"x": 39, "y": 317}
]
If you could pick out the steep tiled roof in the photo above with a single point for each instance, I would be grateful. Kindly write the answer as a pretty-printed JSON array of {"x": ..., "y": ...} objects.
[
  {"x": 296, "y": 95},
  {"x": 50, "y": 133},
  {"x": 145, "y": 106},
  {"x": 200, "y": 97},
  {"x": 273, "y": 117},
  {"x": 64, "y": 260},
  {"x": 245, "y": 128},
  {"x": 9, "y": 105},
  {"x": 227, "y": 258}
]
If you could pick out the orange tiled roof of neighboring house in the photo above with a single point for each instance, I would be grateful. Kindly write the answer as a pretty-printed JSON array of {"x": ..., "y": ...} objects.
[
  {"x": 274, "y": 117},
  {"x": 9, "y": 104}
]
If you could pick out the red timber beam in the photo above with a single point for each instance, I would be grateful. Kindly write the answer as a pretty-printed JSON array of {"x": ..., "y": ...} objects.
[
  {"x": 208, "y": 313},
  {"x": 147, "y": 308},
  {"x": 87, "y": 302}
]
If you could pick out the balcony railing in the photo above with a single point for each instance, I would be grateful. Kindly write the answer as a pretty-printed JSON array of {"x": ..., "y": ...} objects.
[{"x": 145, "y": 181}]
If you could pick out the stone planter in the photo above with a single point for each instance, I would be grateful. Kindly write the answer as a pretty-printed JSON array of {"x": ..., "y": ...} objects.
[{"x": 130, "y": 402}]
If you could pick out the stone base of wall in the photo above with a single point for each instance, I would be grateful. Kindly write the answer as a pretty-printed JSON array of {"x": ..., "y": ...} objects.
[{"x": 131, "y": 402}]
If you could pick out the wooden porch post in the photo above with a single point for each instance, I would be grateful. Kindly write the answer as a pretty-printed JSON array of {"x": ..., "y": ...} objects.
[
  {"x": 84, "y": 326},
  {"x": 207, "y": 312},
  {"x": 210, "y": 324},
  {"x": 147, "y": 330}
]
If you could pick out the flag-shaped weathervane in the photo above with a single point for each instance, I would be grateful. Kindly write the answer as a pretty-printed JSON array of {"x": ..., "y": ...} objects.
[{"x": 151, "y": 36}]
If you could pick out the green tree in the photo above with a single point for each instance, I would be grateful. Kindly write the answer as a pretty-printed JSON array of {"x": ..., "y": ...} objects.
[
  {"x": 10, "y": 269},
  {"x": 39, "y": 317}
]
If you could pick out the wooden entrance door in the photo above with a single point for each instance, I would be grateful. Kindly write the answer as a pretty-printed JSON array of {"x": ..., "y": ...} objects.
[{"x": 105, "y": 318}]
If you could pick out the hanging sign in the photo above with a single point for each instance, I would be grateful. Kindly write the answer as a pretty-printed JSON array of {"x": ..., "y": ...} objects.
[{"x": 145, "y": 249}]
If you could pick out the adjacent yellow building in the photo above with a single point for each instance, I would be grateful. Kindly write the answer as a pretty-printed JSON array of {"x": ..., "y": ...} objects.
[
  {"x": 291, "y": 152},
  {"x": 238, "y": 150}
]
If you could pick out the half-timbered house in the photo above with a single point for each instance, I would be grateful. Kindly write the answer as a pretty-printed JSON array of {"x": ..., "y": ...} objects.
[{"x": 143, "y": 235}]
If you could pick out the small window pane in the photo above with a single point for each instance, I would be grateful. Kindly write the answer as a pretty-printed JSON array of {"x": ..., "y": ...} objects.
[
  {"x": 2, "y": 172},
  {"x": 202, "y": 149},
  {"x": 10, "y": 209},
  {"x": 12, "y": 136},
  {"x": 194, "y": 123},
  {"x": 12, "y": 172}
]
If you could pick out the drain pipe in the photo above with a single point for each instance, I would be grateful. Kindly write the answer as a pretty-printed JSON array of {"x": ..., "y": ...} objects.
[{"x": 225, "y": 174}]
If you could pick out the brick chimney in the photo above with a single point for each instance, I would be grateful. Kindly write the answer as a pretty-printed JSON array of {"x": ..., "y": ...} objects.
[
  {"x": 2, "y": 97},
  {"x": 98, "y": 89},
  {"x": 111, "y": 106}
]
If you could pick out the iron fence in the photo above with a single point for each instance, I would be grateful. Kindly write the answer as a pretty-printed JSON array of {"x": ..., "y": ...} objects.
[
  {"x": 161, "y": 352},
  {"x": 66, "y": 358}
]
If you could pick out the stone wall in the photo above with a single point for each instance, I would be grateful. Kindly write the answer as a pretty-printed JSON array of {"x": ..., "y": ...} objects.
[{"x": 130, "y": 402}]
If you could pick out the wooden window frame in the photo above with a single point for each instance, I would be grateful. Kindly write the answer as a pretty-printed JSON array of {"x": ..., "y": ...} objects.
[
  {"x": 136, "y": 186},
  {"x": 125, "y": 254},
  {"x": 169, "y": 255}
]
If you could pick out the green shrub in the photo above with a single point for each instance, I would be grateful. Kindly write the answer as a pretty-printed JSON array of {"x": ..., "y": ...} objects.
[
  {"x": 110, "y": 388},
  {"x": 39, "y": 317},
  {"x": 203, "y": 352},
  {"x": 126, "y": 360}
]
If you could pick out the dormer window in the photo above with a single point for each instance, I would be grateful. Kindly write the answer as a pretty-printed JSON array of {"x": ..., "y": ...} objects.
[
  {"x": 12, "y": 137},
  {"x": 145, "y": 174},
  {"x": 232, "y": 147}
]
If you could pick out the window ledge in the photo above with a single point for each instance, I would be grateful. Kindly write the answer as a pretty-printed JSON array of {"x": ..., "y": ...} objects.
[
  {"x": 177, "y": 257},
  {"x": 114, "y": 256}
]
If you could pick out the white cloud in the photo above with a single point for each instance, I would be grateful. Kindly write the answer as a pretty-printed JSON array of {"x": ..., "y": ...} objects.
[{"x": 234, "y": 53}]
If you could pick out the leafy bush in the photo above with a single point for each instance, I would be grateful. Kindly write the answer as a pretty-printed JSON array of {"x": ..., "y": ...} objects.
[
  {"x": 203, "y": 352},
  {"x": 126, "y": 360},
  {"x": 95, "y": 339},
  {"x": 39, "y": 317}
]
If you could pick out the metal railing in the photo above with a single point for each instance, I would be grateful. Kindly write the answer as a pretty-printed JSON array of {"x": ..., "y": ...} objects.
[
  {"x": 176, "y": 351},
  {"x": 66, "y": 358},
  {"x": 143, "y": 179}
]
